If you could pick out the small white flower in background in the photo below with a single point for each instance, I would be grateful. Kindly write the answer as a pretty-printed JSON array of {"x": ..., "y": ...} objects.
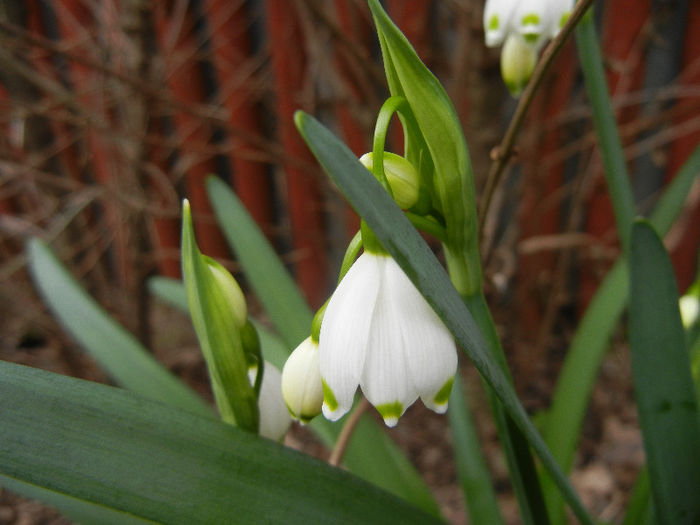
[
  {"x": 379, "y": 333},
  {"x": 274, "y": 418},
  {"x": 690, "y": 310},
  {"x": 301, "y": 382},
  {"x": 524, "y": 26}
]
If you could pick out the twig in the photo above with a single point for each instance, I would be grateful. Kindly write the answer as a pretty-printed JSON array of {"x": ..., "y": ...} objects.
[
  {"x": 504, "y": 151},
  {"x": 346, "y": 432}
]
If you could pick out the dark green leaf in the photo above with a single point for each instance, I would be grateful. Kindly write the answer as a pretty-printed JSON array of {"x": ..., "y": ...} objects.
[
  {"x": 664, "y": 390},
  {"x": 105, "y": 445}
]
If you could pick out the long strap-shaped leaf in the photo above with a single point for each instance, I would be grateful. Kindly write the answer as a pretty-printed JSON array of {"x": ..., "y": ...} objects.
[
  {"x": 114, "y": 348},
  {"x": 106, "y": 445},
  {"x": 592, "y": 336},
  {"x": 414, "y": 256},
  {"x": 664, "y": 390}
]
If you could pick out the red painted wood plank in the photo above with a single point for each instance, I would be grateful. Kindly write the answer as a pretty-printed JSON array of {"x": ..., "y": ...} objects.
[{"x": 303, "y": 191}]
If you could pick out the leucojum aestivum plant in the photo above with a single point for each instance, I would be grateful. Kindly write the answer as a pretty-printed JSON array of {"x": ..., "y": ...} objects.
[{"x": 393, "y": 329}]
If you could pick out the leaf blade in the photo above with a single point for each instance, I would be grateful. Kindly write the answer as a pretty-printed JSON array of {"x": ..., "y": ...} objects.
[
  {"x": 664, "y": 390},
  {"x": 88, "y": 440}
]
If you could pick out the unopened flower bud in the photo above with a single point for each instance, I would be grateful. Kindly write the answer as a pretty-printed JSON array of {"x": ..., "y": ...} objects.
[
  {"x": 401, "y": 175},
  {"x": 231, "y": 291},
  {"x": 301, "y": 382},
  {"x": 518, "y": 60}
]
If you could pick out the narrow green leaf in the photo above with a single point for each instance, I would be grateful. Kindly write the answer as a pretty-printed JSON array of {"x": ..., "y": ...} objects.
[
  {"x": 371, "y": 454},
  {"x": 615, "y": 171},
  {"x": 77, "y": 510},
  {"x": 638, "y": 506},
  {"x": 113, "y": 347},
  {"x": 215, "y": 322},
  {"x": 591, "y": 339},
  {"x": 473, "y": 474},
  {"x": 269, "y": 279},
  {"x": 664, "y": 390},
  {"x": 105, "y": 445},
  {"x": 419, "y": 263}
]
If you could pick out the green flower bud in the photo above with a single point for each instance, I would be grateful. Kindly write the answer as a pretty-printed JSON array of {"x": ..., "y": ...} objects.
[
  {"x": 402, "y": 176},
  {"x": 232, "y": 292},
  {"x": 302, "y": 389},
  {"x": 518, "y": 59}
]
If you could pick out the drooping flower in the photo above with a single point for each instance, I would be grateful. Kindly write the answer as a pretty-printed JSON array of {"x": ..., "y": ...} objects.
[
  {"x": 533, "y": 21},
  {"x": 379, "y": 333},
  {"x": 301, "y": 382},
  {"x": 274, "y": 418}
]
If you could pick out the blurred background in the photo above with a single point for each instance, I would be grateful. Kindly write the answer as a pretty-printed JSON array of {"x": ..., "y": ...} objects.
[{"x": 113, "y": 111}]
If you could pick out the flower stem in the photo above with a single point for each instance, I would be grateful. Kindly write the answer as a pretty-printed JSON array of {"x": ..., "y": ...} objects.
[{"x": 344, "y": 437}]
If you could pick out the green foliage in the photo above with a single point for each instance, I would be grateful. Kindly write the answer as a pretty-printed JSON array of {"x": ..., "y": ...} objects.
[
  {"x": 98, "y": 444},
  {"x": 664, "y": 390}
]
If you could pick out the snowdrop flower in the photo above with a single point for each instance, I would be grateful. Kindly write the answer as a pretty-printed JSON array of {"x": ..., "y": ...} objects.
[
  {"x": 301, "y": 382},
  {"x": 379, "y": 333},
  {"x": 274, "y": 418},
  {"x": 690, "y": 310},
  {"x": 534, "y": 21}
]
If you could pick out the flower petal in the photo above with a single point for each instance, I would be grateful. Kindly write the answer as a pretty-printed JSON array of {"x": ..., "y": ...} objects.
[
  {"x": 274, "y": 417},
  {"x": 430, "y": 353},
  {"x": 385, "y": 380},
  {"x": 498, "y": 15},
  {"x": 344, "y": 334},
  {"x": 532, "y": 19},
  {"x": 301, "y": 382}
]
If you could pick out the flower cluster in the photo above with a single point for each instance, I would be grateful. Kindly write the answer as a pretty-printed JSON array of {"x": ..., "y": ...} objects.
[{"x": 522, "y": 26}]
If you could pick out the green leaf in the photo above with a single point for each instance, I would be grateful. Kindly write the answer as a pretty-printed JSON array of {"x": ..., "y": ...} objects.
[
  {"x": 591, "y": 339},
  {"x": 215, "y": 322},
  {"x": 615, "y": 171},
  {"x": 108, "y": 446},
  {"x": 113, "y": 347},
  {"x": 414, "y": 256},
  {"x": 371, "y": 454},
  {"x": 269, "y": 279},
  {"x": 664, "y": 390},
  {"x": 473, "y": 474},
  {"x": 77, "y": 510}
]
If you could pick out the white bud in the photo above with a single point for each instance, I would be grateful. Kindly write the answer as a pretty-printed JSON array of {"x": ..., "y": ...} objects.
[
  {"x": 518, "y": 59},
  {"x": 301, "y": 382}
]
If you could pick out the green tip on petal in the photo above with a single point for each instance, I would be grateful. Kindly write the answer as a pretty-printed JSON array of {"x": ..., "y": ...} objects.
[
  {"x": 329, "y": 397},
  {"x": 390, "y": 412},
  {"x": 443, "y": 395},
  {"x": 532, "y": 18},
  {"x": 493, "y": 23},
  {"x": 531, "y": 37}
]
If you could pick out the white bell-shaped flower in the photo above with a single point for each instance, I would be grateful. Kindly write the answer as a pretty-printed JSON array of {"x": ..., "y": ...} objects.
[
  {"x": 301, "y": 382},
  {"x": 532, "y": 19},
  {"x": 379, "y": 333}
]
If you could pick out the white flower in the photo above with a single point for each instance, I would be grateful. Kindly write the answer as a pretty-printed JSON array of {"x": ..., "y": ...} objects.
[
  {"x": 533, "y": 21},
  {"x": 301, "y": 382},
  {"x": 690, "y": 310},
  {"x": 274, "y": 418},
  {"x": 518, "y": 60},
  {"x": 379, "y": 333}
]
